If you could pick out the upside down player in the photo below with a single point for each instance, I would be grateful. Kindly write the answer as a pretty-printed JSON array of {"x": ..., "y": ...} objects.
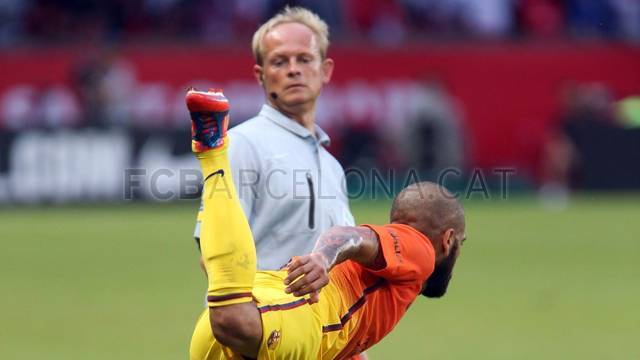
[{"x": 369, "y": 274}]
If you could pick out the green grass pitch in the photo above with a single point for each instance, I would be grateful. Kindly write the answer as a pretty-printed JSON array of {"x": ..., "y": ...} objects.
[{"x": 122, "y": 282}]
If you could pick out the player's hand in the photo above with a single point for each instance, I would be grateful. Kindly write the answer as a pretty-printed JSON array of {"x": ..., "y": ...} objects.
[{"x": 307, "y": 275}]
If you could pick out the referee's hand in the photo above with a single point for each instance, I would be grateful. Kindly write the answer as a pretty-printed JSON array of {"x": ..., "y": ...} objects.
[{"x": 307, "y": 275}]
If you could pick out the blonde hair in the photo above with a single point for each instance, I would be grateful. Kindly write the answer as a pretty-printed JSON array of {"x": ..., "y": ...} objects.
[{"x": 298, "y": 15}]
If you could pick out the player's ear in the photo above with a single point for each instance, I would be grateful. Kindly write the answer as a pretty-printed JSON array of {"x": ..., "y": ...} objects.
[
  {"x": 257, "y": 72},
  {"x": 327, "y": 70},
  {"x": 448, "y": 238}
]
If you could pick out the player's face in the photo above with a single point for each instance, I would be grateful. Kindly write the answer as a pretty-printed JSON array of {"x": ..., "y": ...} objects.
[
  {"x": 292, "y": 67},
  {"x": 437, "y": 284}
]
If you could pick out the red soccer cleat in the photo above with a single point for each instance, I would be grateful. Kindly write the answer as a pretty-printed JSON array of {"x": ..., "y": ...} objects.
[{"x": 209, "y": 118}]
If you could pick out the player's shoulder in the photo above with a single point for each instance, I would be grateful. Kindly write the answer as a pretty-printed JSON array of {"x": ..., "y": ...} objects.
[
  {"x": 409, "y": 254},
  {"x": 405, "y": 234},
  {"x": 405, "y": 230}
]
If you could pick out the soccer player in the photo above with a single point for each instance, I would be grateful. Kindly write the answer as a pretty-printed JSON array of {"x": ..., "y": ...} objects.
[{"x": 370, "y": 274}]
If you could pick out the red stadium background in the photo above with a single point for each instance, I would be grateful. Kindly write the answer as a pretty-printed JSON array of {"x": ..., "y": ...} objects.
[{"x": 509, "y": 92}]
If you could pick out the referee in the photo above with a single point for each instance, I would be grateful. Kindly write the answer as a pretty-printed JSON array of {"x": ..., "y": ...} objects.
[{"x": 290, "y": 187}]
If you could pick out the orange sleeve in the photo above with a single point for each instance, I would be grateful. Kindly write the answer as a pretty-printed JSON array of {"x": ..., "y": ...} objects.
[{"x": 409, "y": 255}]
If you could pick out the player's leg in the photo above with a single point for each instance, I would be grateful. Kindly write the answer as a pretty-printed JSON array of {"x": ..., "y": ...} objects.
[{"x": 227, "y": 245}]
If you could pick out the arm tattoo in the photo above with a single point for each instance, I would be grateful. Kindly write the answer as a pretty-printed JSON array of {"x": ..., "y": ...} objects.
[{"x": 337, "y": 243}]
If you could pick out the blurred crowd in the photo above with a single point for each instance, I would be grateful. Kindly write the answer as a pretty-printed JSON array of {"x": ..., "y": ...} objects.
[
  {"x": 432, "y": 120},
  {"x": 381, "y": 21},
  {"x": 593, "y": 132}
]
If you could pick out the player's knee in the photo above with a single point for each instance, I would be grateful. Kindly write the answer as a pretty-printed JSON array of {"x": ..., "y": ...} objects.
[{"x": 235, "y": 327}]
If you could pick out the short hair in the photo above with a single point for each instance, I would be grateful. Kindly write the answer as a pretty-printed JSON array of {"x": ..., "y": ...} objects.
[
  {"x": 429, "y": 204},
  {"x": 298, "y": 15}
]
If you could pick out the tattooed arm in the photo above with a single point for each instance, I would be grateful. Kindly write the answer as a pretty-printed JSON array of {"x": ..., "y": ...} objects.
[
  {"x": 334, "y": 246},
  {"x": 340, "y": 243}
]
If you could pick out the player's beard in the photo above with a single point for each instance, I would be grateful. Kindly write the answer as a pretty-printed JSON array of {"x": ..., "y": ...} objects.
[{"x": 437, "y": 284}]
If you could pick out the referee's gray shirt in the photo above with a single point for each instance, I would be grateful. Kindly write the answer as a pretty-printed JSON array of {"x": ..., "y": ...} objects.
[{"x": 290, "y": 187}]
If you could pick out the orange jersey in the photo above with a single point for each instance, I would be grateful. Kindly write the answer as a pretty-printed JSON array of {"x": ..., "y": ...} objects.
[
  {"x": 356, "y": 310},
  {"x": 370, "y": 303}
]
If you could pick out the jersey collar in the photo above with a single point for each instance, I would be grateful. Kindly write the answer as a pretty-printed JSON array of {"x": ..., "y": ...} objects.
[{"x": 293, "y": 126}]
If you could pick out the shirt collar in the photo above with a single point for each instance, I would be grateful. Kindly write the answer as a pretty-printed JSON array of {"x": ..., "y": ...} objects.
[{"x": 293, "y": 126}]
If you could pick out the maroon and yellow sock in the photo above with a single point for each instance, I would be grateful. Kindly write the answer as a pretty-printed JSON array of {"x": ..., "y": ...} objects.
[{"x": 226, "y": 241}]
